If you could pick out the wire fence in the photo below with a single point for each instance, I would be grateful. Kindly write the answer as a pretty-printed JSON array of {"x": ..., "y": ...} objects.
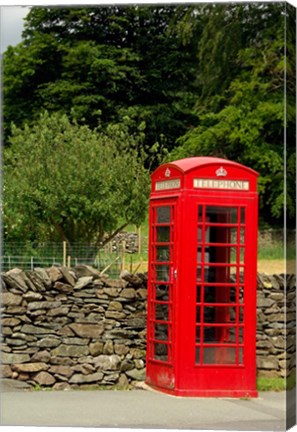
[{"x": 128, "y": 251}]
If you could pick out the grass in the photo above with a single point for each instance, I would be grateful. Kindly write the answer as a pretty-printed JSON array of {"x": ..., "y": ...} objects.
[
  {"x": 275, "y": 252},
  {"x": 276, "y": 384},
  {"x": 272, "y": 251}
]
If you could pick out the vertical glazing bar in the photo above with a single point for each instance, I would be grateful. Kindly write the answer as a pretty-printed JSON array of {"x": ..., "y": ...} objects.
[
  {"x": 202, "y": 283},
  {"x": 154, "y": 287},
  {"x": 171, "y": 281},
  {"x": 237, "y": 285}
]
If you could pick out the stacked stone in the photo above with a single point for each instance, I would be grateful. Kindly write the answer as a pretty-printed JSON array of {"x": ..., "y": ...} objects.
[
  {"x": 276, "y": 312},
  {"x": 67, "y": 329},
  {"x": 70, "y": 329},
  {"x": 131, "y": 242}
]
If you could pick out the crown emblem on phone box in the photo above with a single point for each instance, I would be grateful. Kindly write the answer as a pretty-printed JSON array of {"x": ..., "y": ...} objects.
[{"x": 221, "y": 172}]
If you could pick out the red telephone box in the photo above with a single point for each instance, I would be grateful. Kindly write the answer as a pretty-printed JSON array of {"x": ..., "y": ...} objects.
[{"x": 201, "y": 327}]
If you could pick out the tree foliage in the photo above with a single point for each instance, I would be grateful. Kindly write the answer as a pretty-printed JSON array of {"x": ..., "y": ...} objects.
[
  {"x": 65, "y": 181},
  {"x": 206, "y": 79},
  {"x": 98, "y": 64},
  {"x": 244, "y": 119}
]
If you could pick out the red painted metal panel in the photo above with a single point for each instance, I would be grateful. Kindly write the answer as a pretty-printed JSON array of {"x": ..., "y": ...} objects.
[{"x": 202, "y": 255}]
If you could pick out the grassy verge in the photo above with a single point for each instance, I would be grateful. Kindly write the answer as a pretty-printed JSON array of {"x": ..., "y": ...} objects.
[
  {"x": 275, "y": 252},
  {"x": 276, "y": 384}
]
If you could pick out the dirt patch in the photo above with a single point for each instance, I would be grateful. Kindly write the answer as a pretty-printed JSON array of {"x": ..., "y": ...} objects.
[
  {"x": 276, "y": 266},
  {"x": 264, "y": 266}
]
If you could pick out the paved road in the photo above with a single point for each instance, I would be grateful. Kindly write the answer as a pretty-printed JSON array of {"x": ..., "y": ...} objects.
[{"x": 140, "y": 409}]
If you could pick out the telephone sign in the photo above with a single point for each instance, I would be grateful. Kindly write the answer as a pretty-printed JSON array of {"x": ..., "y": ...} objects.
[{"x": 201, "y": 326}]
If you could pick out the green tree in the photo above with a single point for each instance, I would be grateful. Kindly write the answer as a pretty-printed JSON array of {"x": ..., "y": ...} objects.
[
  {"x": 242, "y": 116},
  {"x": 65, "y": 181},
  {"x": 97, "y": 64}
]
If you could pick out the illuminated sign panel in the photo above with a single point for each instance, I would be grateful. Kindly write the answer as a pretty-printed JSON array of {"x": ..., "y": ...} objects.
[
  {"x": 167, "y": 184},
  {"x": 204, "y": 183}
]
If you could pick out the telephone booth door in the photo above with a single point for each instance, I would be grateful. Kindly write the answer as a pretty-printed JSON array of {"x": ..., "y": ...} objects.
[
  {"x": 160, "y": 333},
  {"x": 219, "y": 316}
]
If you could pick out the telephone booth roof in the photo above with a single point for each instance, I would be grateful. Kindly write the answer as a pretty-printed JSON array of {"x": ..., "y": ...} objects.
[
  {"x": 188, "y": 164},
  {"x": 195, "y": 172}
]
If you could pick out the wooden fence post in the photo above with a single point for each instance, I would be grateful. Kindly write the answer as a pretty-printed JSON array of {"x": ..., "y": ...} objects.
[
  {"x": 139, "y": 240},
  {"x": 123, "y": 253},
  {"x": 64, "y": 253},
  {"x": 131, "y": 264}
]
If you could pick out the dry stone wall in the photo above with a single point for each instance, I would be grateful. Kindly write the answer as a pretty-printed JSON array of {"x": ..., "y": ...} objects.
[
  {"x": 67, "y": 329},
  {"x": 75, "y": 329},
  {"x": 276, "y": 325}
]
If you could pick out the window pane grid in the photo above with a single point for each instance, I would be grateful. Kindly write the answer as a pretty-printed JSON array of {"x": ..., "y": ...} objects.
[
  {"x": 220, "y": 310},
  {"x": 160, "y": 329}
]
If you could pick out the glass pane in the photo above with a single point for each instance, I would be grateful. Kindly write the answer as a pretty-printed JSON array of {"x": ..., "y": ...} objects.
[
  {"x": 240, "y": 335},
  {"x": 197, "y": 359},
  {"x": 162, "y": 312},
  {"x": 219, "y": 335},
  {"x": 220, "y": 274},
  {"x": 223, "y": 234},
  {"x": 163, "y": 234},
  {"x": 233, "y": 255},
  {"x": 204, "y": 230},
  {"x": 200, "y": 208},
  {"x": 162, "y": 292},
  {"x": 199, "y": 234},
  {"x": 241, "y": 314},
  {"x": 163, "y": 214},
  {"x": 198, "y": 316},
  {"x": 200, "y": 257},
  {"x": 210, "y": 294},
  {"x": 241, "y": 255},
  {"x": 163, "y": 253},
  {"x": 222, "y": 214},
  {"x": 219, "y": 355},
  {"x": 241, "y": 275},
  {"x": 237, "y": 259},
  {"x": 199, "y": 273},
  {"x": 162, "y": 273},
  {"x": 241, "y": 294},
  {"x": 161, "y": 332},
  {"x": 209, "y": 314},
  {"x": 219, "y": 294},
  {"x": 219, "y": 314},
  {"x": 209, "y": 274},
  {"x": 242, "y": 235},
  {"x": 242, "y": 215},
  {"x": 198, "y": 334},
  {"x": 198, "y": 294},
  {"x": 240, "y": 355},
  {"x": 219, "y": 254},
  {"x": 161, "y": 352},
  {"x": 209, "y": 334}
]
